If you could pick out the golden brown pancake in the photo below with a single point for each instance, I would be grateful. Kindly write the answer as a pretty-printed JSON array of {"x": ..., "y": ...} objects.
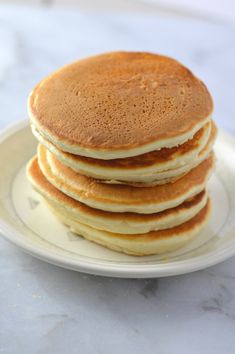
[
  {"x": 154, "y": 242},
  {"x": 123, "y": 198},
  {"x": 145, "y": 170},
  {"x": 127, "y": 223},
  {"x": 157, "y": 157},
  {"x": 120, "y": 104}
]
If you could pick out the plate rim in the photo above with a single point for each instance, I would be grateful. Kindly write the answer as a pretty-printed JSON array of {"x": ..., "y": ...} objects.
[{"x": 12, "y": 235}]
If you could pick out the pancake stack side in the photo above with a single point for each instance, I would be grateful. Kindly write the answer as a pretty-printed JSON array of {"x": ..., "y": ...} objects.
[{"x": 125, "y": 150}]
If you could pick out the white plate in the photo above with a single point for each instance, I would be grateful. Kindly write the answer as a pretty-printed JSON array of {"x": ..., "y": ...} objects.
[{"x": 26, "y": 221}]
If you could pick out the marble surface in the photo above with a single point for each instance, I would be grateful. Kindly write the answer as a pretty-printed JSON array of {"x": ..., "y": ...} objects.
[{"x": 45, "y": 309}]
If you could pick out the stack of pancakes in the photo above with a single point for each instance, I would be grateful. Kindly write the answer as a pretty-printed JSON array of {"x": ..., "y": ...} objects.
[{"x": 125, "y": 150}]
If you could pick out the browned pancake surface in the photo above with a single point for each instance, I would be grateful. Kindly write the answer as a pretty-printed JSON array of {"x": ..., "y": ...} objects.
[
  {"x": 53, "y": 194},
  {"x": 120, "y": 100},
  {"x": 177, "y": 230},
  {"x": 91, "y": 188},
  {"x": 150, "y": 158}
]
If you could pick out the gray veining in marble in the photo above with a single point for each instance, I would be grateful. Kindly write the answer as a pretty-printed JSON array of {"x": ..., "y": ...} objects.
[{"x": 45, "y": 309}]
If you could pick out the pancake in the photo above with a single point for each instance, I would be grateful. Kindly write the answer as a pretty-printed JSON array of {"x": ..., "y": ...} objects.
[
  {"x": 154, "y": 242},
  {"x": 123, "y": 223},
  {"x": 148, "y": 168},
  {"x": 119, "y": 104},
  {"x": 123, "y": 198},
  {"x": 171, "y": 175}
]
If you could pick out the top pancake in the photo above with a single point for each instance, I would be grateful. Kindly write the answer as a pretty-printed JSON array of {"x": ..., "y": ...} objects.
[{"x": 120, "y": 104}]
